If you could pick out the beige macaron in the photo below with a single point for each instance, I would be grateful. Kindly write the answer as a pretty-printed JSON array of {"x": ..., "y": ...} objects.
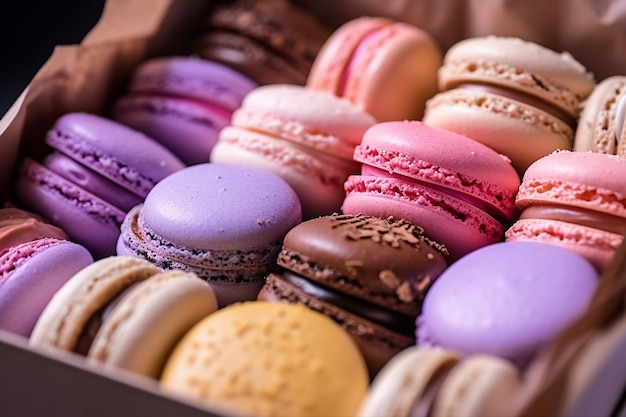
[
  {"x": 601, "y": 124},
  {"x": 125, "y": 313},
  {"x": 517, "y": 97}
]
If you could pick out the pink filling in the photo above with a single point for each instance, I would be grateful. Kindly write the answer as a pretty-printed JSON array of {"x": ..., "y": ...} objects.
[{"x": 347, "y": 73}]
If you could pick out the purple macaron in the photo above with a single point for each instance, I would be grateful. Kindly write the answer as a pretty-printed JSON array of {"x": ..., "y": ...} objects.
[
  {"x": 97, "y": 171},
  {"x": 223, "y": 222},
  {"x": 183, "y": 102},
  {"x": 507, "y": 299}
]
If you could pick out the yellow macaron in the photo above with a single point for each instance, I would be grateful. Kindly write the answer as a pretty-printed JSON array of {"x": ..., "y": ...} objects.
[{"x": 269, "y": 359}]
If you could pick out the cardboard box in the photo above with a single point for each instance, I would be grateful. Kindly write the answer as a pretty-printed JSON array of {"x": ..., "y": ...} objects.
[{"x": 588, "y": 380}]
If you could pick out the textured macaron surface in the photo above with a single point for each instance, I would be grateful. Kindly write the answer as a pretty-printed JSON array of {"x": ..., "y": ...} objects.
[
  {"x": 588, "y": 180},
  {"x": 269, "y": 359},
  {"x": 123, "y": 155},
  {"x": 315, "y": 119},
  {"x": 518, "y": 64},
  {"x": 386, "y": 261},
  {"x": 507, "y": 299},
  {"x": 221, "y": 207},
  {"x": 435, "y": 157}
]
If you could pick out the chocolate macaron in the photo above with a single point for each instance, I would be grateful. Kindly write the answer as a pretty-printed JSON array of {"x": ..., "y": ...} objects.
[
  {"x": 367, "y": 273},
  {"x": 271, "y": 41}
]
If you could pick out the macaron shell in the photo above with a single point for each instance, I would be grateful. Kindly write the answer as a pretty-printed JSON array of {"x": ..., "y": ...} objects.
[
  {"x": 193, "y": 78},
  {"x": 597, "y": 246},
  {"x": 400, "y": 384},
  {"x": 143, "y": 328},
  {"x": 377, "y": 344},
  {"x": 521, "y": 132},
  {"x": 26, "y": 291},
  {"x": 532, "y": 68},
  {"x": 64, "y": 317},
  {"x": 316, "y": 178},
  {"x": 458, "y": 225},
  {"x": 87, "y": 219},
  {"x": 596, "y": 130},
  {"x": 187, "y": 128},
  {"x": 387, "y": 262},
  {"x": 121, "y": 154},
  {"x": 316, "y": 119},
  {"x": 587, "y": 180},
  {"x": 269, "y": 359},
  {"x": 187, "y": 208},
  {"x": 508, "y": 299},
  {"x": 90, "y": 181},
  {"x": 480, "y": 385},
  {"x": 421, "y": 152}
]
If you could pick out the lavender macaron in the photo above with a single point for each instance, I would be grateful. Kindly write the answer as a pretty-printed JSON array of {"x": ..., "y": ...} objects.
[
  {"x": 97, "y": 171},
  {"x": 507, "y": 299},
  {"x": 183, "y": 102},
  {"x": 223, "y": 222}
]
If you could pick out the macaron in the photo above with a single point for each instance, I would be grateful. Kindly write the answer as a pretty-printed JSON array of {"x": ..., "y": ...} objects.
[
  {"x": 367, "y": 273},
  {"x": 386, "y": 67},
  {"x": 223, "y": 222},
  {"x": 508, "y": 299},
  {"x": 271, "y": 41},
  {"x": 182, "y": 102},
  {"x": 601, "y": 125},
  {"x": 574, "y": 200},
  {"x": 122, "y": 312},
  {"x": 97, "y": 170},
  {"x": 36, "y": 259},
  {"x": 306, "y": 137},
  {"x": 461, "y": 192},
  {"x": 513, "y": 95},
  {"x": 438, "y": 382},
  {"x": 268, "y": 359}
]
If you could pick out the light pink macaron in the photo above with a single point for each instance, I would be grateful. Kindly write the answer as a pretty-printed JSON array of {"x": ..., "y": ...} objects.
[
  {"x": 388, "y": 68},
  {"x": 460, "y": 191},
  {"x": 304, "y": 136},
  {"x": 576, "y": 200}
]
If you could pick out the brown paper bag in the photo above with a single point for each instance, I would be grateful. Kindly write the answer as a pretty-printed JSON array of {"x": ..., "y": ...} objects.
[{"x": 87, "y": 77}]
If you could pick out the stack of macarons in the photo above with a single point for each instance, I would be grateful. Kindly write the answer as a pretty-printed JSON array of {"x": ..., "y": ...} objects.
[
  {"x": 96, "y": 171},
  {"x": 36, "y": 259}
]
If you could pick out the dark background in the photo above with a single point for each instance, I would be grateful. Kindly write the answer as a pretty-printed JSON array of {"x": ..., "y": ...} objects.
[{"x": 29, "y": 30}]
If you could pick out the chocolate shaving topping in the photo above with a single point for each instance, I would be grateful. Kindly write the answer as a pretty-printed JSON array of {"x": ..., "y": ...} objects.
[{"x": 388, "y": 231}]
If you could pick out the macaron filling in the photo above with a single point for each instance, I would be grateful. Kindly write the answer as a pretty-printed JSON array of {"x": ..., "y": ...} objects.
[
  {"x": 94, "y": 323},
  {"x": 372, "y": 312},
  {"x": 620, "y": 118},
  {"x": 522, "y": 97},
  {"x": 353, "y": 60},
  {"x": 575, "y": 215}
]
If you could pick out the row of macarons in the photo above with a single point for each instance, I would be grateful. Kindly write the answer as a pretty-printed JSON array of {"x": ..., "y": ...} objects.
[
  {"x": 337, "y": 160},
  {"x": 391, "y": 298}
]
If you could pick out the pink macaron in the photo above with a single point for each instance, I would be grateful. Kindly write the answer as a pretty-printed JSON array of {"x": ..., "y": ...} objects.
[
  {"x": 388, "y": 68},
  {"x": 460, "y": 191},
  {"x": 576, "y": 200},
  {"x": 304, "y": 136},
  {"x": 182, "y": 102}
]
